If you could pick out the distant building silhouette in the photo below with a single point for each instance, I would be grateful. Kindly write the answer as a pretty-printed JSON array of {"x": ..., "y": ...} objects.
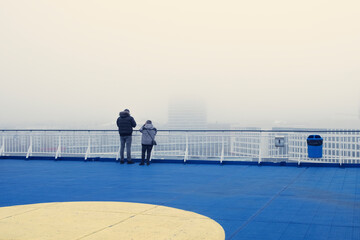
[{"x": 187, "y": 114}]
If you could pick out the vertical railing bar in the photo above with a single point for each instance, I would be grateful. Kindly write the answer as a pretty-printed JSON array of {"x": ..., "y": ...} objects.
[
  {"x": 29, "y": 152},
  {"x": 58, "y": 152},
  {"x": 88, "y": 148},
  {"x": 118, "y": 153},
  {"x": 222, "y": 150},
  {"x": 357, "y": 146},
  {"x": 341, "y": 150},
  {"x": 2, "y": 149},
  {"x": 298, "y": 152},
  {"x": 186, "y": 155},
  {"x": 260, "y": 147},
  {"x": 152, "y": 153}
]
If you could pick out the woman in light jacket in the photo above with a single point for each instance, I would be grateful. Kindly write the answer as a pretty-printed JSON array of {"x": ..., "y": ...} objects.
[{"x": 147, "y": 141}]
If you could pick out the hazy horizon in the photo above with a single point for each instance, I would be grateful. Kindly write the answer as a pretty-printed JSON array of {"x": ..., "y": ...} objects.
[{"x": 279, "y": 63}]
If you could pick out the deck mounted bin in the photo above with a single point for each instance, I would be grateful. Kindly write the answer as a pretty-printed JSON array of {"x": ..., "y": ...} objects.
[{"x": 315, "y": 146}]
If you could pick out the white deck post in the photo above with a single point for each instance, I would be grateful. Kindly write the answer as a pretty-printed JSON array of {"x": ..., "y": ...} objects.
[
  {"x": 341, "y": 160},
  {"x": 357, "y": 153},
  {"x": 29, "y": 152},
  {"x": 222, "y": 150},
  {"x": 118, "y": 154},
  {"x": 186, "y": 156},
  {"x": 299, "y": 158},
  {"x": 2, "y": 149},
  {"x": 153, "y": 153},
  {"x": 88, "y": 149},
  {"x": 58, "y": 152},
  {"x": 260, "y": 148}
]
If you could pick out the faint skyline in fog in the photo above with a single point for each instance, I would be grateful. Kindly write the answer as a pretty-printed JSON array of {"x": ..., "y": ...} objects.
[{"x": 78, "y": 63}]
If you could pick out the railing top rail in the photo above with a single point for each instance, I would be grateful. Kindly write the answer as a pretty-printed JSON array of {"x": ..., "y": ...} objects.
[{"x": 194, "y": 130}]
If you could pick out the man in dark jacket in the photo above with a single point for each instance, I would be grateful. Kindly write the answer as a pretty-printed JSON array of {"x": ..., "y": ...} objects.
[{"x": 125, "y": 123}]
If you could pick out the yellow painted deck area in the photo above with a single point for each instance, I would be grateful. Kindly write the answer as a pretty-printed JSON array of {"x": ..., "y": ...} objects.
[{"x": 104, "y": 220}]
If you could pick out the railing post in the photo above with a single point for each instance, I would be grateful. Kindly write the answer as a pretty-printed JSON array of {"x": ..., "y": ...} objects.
[
  {"x": 341, "y": 152},
  {"x": 222, "y": 150},
  {"x": 358, "y": 152},
  {"x": 299, "y": 150},
  {"x": 88, "y": 149},
  {"x": 29, "y": 152},
  {"x": 186, "y": 156},
  {"x": 341, "y": 161},
  {"x": 2, "y": 149},
  {"x": 299, "y": 155},
  {"x": 260, "y": 148},
  {"x": 118, "y": 154},
  {"x": 58, "y": 152},
  {"x": 153, "y": 153}
]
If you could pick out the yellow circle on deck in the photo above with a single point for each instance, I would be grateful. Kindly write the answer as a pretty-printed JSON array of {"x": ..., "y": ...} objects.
[{"x": 105, "y": 221}]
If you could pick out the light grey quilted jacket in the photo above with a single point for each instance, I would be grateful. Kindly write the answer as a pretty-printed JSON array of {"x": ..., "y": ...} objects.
[{"x": 148, "y": 134}]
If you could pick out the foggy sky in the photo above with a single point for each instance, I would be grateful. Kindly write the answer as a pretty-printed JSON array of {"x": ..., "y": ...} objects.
[{"x": 81, "y": 62}]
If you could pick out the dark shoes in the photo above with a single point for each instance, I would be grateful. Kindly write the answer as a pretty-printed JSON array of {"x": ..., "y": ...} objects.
[
  {"x": 132, "y": 162},
  {"x": 142, "y": 163},
  {"x": 128, "y": 162}
]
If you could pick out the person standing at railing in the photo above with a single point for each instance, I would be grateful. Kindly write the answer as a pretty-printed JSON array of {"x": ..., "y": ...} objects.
[
  {"x": 147, "y": 141},
  {"x": 125, "y": 124}
]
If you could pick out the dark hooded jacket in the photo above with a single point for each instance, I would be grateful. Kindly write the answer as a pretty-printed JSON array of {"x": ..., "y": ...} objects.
[{"x": 125, "y": 123}]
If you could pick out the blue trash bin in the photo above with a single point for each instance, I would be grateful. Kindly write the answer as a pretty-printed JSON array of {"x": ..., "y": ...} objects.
[{"x": 315, "y": 146}]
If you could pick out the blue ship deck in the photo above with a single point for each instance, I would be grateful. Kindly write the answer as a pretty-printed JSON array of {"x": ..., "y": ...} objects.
[{"x": 250, "y": 202}]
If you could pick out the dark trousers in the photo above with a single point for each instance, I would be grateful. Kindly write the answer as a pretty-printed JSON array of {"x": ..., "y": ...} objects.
[
  {"x": 146, "y": 148},
  {"x": 125, "y": 140}
]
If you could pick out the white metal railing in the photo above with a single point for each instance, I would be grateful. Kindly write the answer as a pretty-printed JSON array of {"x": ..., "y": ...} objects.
[{"x": 339, "y": 146}]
